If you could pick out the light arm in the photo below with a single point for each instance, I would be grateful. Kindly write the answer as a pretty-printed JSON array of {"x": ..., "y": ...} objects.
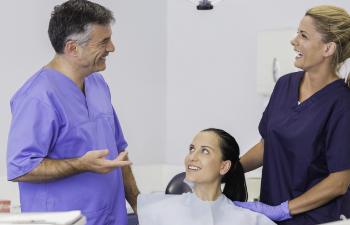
[
  {"x": 334, "y": 185},
  {"x": 253, "y": 159},
  {"x": 130, "y": 187},
  {"x": 93, "y": 161}
]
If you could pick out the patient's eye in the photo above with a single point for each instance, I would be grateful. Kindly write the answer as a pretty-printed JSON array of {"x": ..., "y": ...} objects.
[
  {"x": 191, "y": 149},
  {"x": 205, "y": 151}
]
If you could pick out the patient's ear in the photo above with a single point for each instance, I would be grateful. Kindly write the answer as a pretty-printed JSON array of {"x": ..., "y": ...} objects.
[{"x": 225, "y": 167}]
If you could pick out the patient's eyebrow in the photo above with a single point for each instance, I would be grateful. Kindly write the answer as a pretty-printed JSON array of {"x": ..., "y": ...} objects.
[
  {"x": 206, "y": 146},
  {"x": 203, "y": 146}
]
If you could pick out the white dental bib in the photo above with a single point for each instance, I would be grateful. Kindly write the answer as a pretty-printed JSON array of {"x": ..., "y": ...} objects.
[{"x": 188, "y": 209}]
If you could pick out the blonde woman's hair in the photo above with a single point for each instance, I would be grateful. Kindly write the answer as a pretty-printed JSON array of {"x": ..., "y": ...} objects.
[{"x": 333, "y": 23}]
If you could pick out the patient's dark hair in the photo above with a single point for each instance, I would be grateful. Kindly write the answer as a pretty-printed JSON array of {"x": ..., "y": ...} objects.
[{"x": 235, "y": 186}]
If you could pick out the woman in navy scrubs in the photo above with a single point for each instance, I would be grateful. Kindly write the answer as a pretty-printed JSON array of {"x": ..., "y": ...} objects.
[{"x": 305, "y": 151}]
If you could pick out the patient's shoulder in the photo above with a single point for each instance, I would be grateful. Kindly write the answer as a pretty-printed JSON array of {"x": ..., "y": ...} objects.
[{"x": 242, "y": 215}]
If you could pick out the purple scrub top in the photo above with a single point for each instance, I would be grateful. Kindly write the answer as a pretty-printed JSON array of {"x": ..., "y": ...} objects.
[
  {"x": 305, "y": 143},
  {"x": 52, "y": 118}
]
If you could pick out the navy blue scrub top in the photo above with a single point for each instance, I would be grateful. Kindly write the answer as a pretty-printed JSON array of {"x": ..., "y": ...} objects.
[{"x": 303, "y": 144}]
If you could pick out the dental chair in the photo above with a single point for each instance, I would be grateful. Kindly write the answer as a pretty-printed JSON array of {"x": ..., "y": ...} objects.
[{"x": 177, "y": 186}]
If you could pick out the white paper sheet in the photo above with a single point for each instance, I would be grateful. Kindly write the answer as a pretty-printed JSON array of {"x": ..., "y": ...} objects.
[
  {"x": 188, "y": 209},
  {"x": 59, "y": 218}
]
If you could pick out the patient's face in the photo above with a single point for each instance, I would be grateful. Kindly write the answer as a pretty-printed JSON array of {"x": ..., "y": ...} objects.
[{"x": 204, "y": 160}]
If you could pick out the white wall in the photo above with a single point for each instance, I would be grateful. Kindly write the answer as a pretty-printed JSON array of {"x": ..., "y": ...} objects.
[
  {"x": 211, "y": 67},
  {"x": 175, "y": 71},
  {"x": 25, "y": 48},
  {"x": 136, "y": 75}
]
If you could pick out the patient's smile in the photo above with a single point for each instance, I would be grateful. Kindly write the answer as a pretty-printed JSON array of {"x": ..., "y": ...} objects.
[{"x": 193, "y": 168}]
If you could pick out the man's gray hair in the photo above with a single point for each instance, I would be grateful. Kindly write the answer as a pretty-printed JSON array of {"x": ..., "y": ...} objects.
[{"x": 83, "y": 37}]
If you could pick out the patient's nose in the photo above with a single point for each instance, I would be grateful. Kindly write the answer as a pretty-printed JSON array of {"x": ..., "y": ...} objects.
[{"x": 193, "y": 156}]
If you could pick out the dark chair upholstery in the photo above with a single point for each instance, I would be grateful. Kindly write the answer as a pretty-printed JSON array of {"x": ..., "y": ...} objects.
[
  {"x": 132, "y": 219},
  {"x": 177, "y": 185}
]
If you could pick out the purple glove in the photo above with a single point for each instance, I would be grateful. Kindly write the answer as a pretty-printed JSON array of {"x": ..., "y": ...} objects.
[{"x": 277, "y": 213}]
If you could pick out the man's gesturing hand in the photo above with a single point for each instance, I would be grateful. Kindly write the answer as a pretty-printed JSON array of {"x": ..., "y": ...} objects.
[{"x": 95, "y": 161}]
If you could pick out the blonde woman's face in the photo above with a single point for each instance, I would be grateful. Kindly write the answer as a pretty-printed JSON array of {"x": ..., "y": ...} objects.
[
  {"x": 309, "y": 46},
  {"x": 204, "y": 162}
]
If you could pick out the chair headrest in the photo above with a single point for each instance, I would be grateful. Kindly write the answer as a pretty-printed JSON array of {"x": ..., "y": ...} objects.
[{"x": 177, "y": 185}]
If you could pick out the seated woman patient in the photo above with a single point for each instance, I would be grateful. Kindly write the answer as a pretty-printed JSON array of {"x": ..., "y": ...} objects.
[{"x": 213, "y": 159}]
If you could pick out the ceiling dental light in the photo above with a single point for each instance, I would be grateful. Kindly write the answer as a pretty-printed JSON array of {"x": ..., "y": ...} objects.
[{"x": 205, "y": 4}]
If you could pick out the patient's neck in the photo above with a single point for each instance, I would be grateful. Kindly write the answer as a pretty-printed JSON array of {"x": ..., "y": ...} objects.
[{"x": 208, "y": 191}]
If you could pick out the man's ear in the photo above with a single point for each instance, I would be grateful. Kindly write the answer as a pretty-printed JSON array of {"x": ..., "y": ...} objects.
[
  {"x": 225, "y": 167},
  {"x": 71, "y": 48},
  {"x": 330, "y": 49}
]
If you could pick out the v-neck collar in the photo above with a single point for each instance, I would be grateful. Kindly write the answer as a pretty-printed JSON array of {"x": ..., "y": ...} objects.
[
  {"x": 72, "y": 90},
  {"x": 70, "y": 83},
  {"x": 316, "y": 96}
]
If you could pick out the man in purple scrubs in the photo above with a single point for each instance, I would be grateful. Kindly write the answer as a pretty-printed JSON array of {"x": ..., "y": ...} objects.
[{"x": 66, "y": 147}]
